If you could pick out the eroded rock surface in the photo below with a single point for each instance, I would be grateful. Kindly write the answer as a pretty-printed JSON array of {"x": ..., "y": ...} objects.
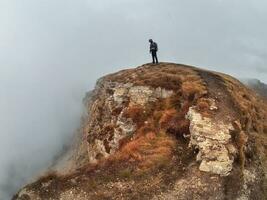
[
  {"x": 211, "y": 138},
  {"x": 113, "y": 99},
  {"x": 164, "y": 131}
]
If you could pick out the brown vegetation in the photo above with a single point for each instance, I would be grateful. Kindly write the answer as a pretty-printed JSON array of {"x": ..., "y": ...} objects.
[{"x": 157, "y": 153}]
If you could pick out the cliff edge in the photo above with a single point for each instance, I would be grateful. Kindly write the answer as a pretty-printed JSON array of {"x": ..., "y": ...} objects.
[{"x": 164, "y": 131}]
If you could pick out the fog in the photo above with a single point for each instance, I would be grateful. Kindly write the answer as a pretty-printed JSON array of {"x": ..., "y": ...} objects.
[{"x": 52, "y": 52}]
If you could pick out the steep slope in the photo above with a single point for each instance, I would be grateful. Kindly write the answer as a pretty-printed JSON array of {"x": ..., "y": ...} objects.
[{"x": 164, "y": 131}]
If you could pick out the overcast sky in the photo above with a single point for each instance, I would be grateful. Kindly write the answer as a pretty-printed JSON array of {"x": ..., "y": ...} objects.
[{"x": 52, "y": 51}]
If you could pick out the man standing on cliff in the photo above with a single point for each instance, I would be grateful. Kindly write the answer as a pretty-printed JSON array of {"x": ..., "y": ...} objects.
[{"x": 153, "y": 51}]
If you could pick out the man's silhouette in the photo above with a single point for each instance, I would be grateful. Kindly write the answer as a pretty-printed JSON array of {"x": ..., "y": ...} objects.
[{"x": 153, "y": 50}]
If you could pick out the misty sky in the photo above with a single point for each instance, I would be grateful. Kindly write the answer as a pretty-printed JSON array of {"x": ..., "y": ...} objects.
[{"x": 52, "y": 51}]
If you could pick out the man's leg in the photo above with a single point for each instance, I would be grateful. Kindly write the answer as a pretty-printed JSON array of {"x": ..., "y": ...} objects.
[
  {"x": 153, "y": 57},
  {"x": 156, "y": 58}
]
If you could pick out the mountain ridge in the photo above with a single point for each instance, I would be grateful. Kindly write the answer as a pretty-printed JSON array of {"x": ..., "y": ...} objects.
[{"x": 166, "y": 131}]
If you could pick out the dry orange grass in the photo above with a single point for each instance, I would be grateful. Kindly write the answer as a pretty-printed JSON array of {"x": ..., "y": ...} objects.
[
  {"x": 158, "y": 123},
  {"x": 241, "y": 140},
  {"x": 174, "y": 122},
  {"x": 136, "y": 113},
  {"x": 156, "y": 79},
  {"x": 173, "y": 101},
  {"x": 203, "y": 106},
  {"x": 165, "y": 75},
  {"x": 167, "y": 117},
  {"x": 191, "y": 90},
  {"x": 147, "y": 150},
  {"x": 149, "y": 126},
  {"x": 168, "y": 76}
]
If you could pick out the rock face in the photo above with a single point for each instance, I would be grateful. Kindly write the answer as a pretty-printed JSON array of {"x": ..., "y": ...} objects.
[
  {"x": 164, "y": 131},
  {"x": 213, "y": 153},
  {"x": 115, "y": 127}
]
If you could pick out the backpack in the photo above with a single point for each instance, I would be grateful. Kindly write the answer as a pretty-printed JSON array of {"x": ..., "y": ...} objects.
[{"x": 154, "y": 46}]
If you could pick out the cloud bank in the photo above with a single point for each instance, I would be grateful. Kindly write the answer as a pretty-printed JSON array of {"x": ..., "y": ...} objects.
[{"x": 51, "y": 53}]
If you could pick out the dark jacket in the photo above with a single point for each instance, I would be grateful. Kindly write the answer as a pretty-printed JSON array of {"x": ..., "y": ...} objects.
[{"x": 153, "y": 47}]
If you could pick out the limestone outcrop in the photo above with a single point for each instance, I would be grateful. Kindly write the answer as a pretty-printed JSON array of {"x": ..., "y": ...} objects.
[
  {"x": 216, "y": 153},
  {"x": 164, "y": 131}
]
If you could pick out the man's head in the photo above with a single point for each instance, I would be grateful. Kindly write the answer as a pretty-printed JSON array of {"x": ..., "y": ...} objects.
[{"x": 150, "y": 40}]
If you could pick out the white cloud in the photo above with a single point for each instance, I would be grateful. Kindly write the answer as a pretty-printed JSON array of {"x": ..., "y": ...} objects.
[{"x": 51, "y": 52}]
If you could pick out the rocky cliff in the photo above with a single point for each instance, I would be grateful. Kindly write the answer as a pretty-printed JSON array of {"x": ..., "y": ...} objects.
[{"x": 164, "y": 131}]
